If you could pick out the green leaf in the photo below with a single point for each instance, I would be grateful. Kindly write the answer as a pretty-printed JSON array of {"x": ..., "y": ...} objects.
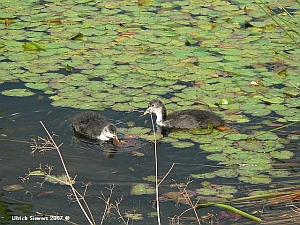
[
  {"x": 32, "y": 46},
  {"x": 142, "y": 189},
  {"x": 18, "y": 92}
]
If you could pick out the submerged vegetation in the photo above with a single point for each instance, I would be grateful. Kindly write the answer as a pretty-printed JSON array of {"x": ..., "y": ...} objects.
[{"x": 238, "y": 58}]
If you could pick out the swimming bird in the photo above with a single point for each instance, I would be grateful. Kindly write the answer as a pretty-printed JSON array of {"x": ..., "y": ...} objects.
[
  {"x": 94, "y": 126},
  {"x": 190, "y": 118}
]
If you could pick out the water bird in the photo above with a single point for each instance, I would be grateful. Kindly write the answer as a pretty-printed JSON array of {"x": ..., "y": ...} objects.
[
  {"x": 95, "y": 126},
  {"x": 184, "y": 119}
]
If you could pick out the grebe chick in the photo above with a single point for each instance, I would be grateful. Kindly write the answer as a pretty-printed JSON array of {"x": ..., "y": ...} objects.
[
  {"x": 94, "y": 126},
  {"x": 190, "y": 118}
]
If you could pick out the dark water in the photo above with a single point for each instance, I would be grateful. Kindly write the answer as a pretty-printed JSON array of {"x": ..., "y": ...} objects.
[{"x": 19, "y": 124}]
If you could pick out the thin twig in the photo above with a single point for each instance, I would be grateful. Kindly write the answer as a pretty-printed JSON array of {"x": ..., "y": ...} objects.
[
  {"x": 119, "y": 212},
  {"x": 188, "y": 200},
  {"x": 294, "y": 85},
  {"x": 75, "y": 193},
  {"x": 166, "y": 174},
  {"x": 156, "y": 172},
  {"x": 107, "y": 204}
]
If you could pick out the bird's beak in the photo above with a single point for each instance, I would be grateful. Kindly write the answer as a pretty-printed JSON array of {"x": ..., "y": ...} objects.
[
  {"x": 147, "y": 112},
  {"x": 116, "y": 138}
]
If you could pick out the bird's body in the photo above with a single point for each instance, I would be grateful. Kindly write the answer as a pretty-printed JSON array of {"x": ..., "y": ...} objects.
[
  {"x": 94, "y": 126},
  {"x": 190, "y": 118}
]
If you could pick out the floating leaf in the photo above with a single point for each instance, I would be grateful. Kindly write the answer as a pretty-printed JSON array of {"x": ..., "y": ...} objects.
[
  {"x": 52, "y": 179},
  {"x": 293, "y": 137},
  {"x": 130, "y": 123},
  {"x": 18, "y": 92},
  {"x": 207, "y": 191},
  {"x": 273, "y": 100},
  {"x": 62, "y": 179},
  {"x": 228, "y": 173},
  {"x": 282, "y": 154},
  {"x": 266, "y": 136},
  {"x": 142, "y": 189},
  {"x": 13, "y": 187},
  {"x": 229, "y": 215},
  {"x": 38, "y": 86},
  {"x": 256, "y": 179},
  {"x": 37, "y": 173},
  {"x": 78, "y": 36},
  {"x": 46, "y": 193},
  {"x": 134, "y": 130},
  {"x": 150, "y": 178},
  {"x": 138, "y": 154},
  {"x": 236, "y": 137},
  {"x": 54, "y": 20},
  {"x": 68, "y": 68},
  {"x": 124, "y": 143},
  {"x": 33, "y": 46},
  {"x": 279, "y": 173},
  {"x": 152, "y": 214},
  {"x": 182, "y": 144},
  {"x": 134, "y": 216},
  {"x": 178, "y": 197},
  {"x": 250, "y": 145},
  {"x": 160, "y": 40},
  {"x": 204, "y": 175},
  {"x": 155, "y": 67}
]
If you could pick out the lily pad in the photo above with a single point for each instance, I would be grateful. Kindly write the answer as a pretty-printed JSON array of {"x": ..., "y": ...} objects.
[
  {"x": 142, "y": 189},
  {"x": 18, "y": 92},
  {"x": 207, "y": 191},
  {"x": 228, "y": 173},
  {"x": 38, "y": 86},
  {"x": 13, "y": 187},
  {"x": 134, "y": 216},
  {"x": 30, "y": 46},
  {"x": 62, "y": 180},
  {"x": 256, "y": 179},
  {"x": 282, "y": 154},
  {"x": 178, "y": 197},
  {"x": 150, "y": 178},
  {"x": 204, "y": 175},
  {"x": 236, "y": 137},
  {"x": 182, "y": 144},
  {"x": 37, "y": 173}
]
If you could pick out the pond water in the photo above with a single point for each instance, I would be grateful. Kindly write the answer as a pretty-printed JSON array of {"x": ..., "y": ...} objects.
[
  {"x": 89, "y": 162},
  {"x": 20, "y": 124}
]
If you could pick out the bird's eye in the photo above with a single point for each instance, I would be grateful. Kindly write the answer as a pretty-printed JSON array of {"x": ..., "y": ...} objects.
[{"x": 152, "y": 105}]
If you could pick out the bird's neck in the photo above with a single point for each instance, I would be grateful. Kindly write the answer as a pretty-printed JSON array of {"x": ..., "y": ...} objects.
[
  {"x": 161, "y": 116},
  {"x": 103, "y": 137}
]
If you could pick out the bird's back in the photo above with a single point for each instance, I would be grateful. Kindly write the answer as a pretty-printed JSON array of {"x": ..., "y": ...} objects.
[
  {"x": 89, "y": 124},
  {"x": 192, "y": 118}
]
